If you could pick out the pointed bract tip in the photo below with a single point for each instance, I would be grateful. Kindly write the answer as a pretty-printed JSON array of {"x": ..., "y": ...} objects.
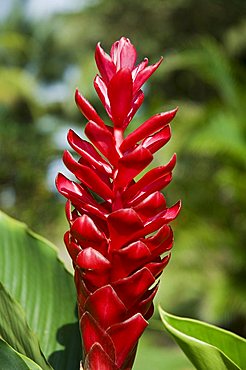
[
  {"x": 70, "y": 133},
  {"x": 157, "y": 64},
  {"x": 99, "y": 48},
  {"x": 173, "y": 112},
  {"x": 77, "y": 96},
  {"x": 57, "y": 180}
]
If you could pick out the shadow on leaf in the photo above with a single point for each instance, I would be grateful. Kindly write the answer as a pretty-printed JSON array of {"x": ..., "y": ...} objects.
[{"x": 68, "y": 358}]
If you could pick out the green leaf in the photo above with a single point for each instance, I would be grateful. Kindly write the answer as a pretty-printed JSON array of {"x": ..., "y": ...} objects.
[
  {"x": 15, "y": 330},
  {"x": 208, "y": 347},
  {"x": 31, "y": 364},
  {"x": 11, "y": 359},
  {"x": 32, "y": 274}
]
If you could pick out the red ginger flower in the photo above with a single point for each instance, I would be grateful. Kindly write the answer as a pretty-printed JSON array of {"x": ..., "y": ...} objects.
[{"x": 116, "y": 242}]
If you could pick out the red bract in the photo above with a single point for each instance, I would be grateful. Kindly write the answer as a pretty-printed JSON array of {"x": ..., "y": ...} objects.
[{"x": 119, "y": 238}]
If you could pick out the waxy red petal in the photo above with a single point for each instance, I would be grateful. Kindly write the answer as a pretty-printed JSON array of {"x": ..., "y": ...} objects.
[
  {"x": 103, "y": 141},
  {"x": 160, "y": 242},
  {"x": 150, "y": 312},
  {"x": 122, "y": 225},
  {"x": 104, "y": 63},
  {"x": 128, "y": 259},
  {"x": 169, "y": 214},
  {"x": 159, "y": 237},
  {"x": 101, "y": 175},
  {"x": 102, "y": 92},
  {"x": 162, "y": 218},
  {"x": 136, "y": 104},
  {"x": 139, "y": 68},
  {"x": 87, "y": 176},
  {"x": 87, "y": 109},
  {"x": 153, "y": 124},
  {"x": 157, "y": 222},
  {"x": 72, "y": 248},
  {"x": 120, "y": 96},
  {"x": 82, "y": 291},
  {"x": 131, "y": 288},
  {"x": 131, "y": 165},
  {"x": 92, "y": 333},
  {"x": 151, "y": 205},
  {"x": 123, "y": 54},
  {"x": 152, "y": 181},
  {"x": 79, "y": 197},
  {"x": 106, "y": 307},
  {"x": 158, "y": 140},
  {"x": 156, "y": 268},
  {"x": 85, "y": 230},
  {"x": 94, "y": 266},
  {"x": 97, "y": 359},
  {"x": 68, "y": 210},
  {"x": 91, "y": 259},
  {"x": 144, "y": 305},
  {"x": 65, "y": 186},
  {"x": 156, "y": 185},
  {"x": 128, "y": 364},
  {"x": 88, "y": 152},
  {"x": 124, "y": 342},
  {"x": 144, "y": 74}
]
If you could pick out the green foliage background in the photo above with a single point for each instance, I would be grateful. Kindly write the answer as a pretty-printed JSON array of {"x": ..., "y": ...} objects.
[{"x": 44, "y": 58}]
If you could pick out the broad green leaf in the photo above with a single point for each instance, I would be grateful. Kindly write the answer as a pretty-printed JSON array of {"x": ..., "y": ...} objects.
[
  {"x": 31, "y": 364},
  {"x": 15, "y": 330},
  {"x": 11, "y": 359},
  {"x": 208, "y": 347},
  {"x": 32, "y": 274}
]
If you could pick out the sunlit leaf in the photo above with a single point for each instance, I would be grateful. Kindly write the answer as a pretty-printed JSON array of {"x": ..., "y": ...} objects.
[
  {"x": 11, "y": 359},
  {"x": 15, "y": 330},
  {"x": 208, "y": 347},
  {"x": 34, "y": 277}
]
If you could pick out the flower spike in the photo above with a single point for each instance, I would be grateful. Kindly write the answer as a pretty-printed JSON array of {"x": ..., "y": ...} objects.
[{"x": 118, "y": 226}]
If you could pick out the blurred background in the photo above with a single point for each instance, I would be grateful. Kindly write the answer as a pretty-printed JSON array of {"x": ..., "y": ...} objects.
[{"x": 47, "y": 50}]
